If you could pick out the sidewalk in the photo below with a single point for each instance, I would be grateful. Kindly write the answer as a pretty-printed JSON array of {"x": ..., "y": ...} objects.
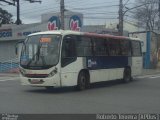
[{"x": 150, "y": 71}]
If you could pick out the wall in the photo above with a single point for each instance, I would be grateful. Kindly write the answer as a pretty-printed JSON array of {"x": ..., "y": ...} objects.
[{"x": 7, "y": 50}]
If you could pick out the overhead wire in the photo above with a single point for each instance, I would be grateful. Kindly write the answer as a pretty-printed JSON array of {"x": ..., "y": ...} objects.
[
  {"x": 86, "y": 5},
  {"x": 95, "y": 7},
  {"x": 95, "y": 14},
  {"x": 83, "y": 12}
]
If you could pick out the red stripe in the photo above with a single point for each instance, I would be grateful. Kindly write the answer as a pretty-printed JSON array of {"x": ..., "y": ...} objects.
[
  {"x": 105, "y": 36},
  {"x": 36, "y": 75}
]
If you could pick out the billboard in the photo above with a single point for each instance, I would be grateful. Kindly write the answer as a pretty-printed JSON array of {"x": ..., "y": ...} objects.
[
  {"x": 72, "y": 21},
  {"x": 54, "y": 23}
]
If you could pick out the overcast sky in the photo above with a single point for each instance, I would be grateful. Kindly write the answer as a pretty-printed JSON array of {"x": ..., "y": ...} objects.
[{"x": 95, "y": 11}]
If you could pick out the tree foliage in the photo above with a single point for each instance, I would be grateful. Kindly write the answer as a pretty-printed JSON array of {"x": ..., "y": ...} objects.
[
  {"x": 147, "y": 15},
  {"x": 5, "y": 17}
]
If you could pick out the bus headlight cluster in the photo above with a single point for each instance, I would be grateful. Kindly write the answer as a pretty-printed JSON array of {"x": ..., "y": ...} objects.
[
  {"x": 53, "y": 72},
  {"x": 22, "y": 72}
]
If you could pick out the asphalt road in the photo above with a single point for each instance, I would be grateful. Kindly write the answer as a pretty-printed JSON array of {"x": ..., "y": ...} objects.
[{"x": 140, "y": 96}]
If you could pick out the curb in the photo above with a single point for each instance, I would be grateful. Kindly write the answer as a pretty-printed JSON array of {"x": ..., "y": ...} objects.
[{"x": 150, "y": 71}]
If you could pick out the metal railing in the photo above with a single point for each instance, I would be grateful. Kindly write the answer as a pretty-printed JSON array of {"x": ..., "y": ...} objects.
[{"x": 9, "y": 65}]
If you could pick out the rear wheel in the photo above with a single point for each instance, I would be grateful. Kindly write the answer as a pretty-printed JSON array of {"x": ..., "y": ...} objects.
[
  {"x": 83, "y": 81},
  {"x": 127, "y": 75}
]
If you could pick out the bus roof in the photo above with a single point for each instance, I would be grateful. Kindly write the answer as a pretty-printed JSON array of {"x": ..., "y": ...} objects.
[
  {"x": 137, "y": 39},
  {"x": 61, "y": 32},
  {"x": 67, "y": 32}
]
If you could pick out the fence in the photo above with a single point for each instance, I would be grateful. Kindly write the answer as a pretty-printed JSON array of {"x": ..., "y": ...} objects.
[{"x": 9, "y": 66}]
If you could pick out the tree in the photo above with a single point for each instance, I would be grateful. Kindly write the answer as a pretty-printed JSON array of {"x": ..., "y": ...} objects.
[
  {"x": 147, "y": 14},
  {"x": 5, "y": 17}
]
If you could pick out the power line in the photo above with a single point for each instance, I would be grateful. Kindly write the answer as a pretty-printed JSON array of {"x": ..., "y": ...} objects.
[
  {"x": 100, "y": 18},
  {"x": 18, "y": 21},
  {"x": 131, "y": 23},
  {"x": 81, "y": 3},
  {"x": 33, "y": 1},
  {"x": 95, "y": 7},
  {"x": 100, "y": 13},
  {"x": 30, "y": 11}
]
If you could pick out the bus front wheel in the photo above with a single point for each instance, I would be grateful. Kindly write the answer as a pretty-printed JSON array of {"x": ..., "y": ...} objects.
[
  {"x": 83, "y": 81},
  {"x": 127, "y": 75}
]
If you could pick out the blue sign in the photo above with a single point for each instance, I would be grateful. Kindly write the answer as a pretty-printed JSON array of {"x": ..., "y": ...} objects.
[
  {"x": 54, "y": 23},
  {"x": 5, "y": 33},
  {"x": 26, "y": 33}
]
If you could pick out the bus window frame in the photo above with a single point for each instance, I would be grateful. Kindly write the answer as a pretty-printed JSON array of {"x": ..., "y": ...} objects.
[
  {"x": 80, "y": 38},
  {"x": 64, "y": 59},
  {"x": 140, "y": 54}
]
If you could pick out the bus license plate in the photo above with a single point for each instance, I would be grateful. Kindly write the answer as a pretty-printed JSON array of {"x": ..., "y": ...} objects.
[{"x": 35, "y": 81}]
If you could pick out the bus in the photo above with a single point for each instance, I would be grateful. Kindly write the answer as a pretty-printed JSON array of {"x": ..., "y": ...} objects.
[{"x": 69, "y": 58}]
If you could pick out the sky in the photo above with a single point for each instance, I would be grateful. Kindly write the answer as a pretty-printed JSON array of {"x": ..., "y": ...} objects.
[{"x": 96, "y": 12}]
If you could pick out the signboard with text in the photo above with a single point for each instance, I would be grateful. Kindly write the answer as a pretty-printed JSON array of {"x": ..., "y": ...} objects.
[{"x": 4, "y": 33}]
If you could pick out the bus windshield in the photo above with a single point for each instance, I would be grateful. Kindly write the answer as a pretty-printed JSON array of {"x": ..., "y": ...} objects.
[{"x": 40, "y": 51}]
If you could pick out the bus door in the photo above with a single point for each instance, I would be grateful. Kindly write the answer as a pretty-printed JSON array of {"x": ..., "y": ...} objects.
[{"x": 68, "y": 61}]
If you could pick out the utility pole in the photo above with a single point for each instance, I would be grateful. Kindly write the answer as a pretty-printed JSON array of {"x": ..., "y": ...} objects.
[
  {"x": 120, "y": 29},
  {"x": 18, "y": 21},
  {"x": 62, "y": 9},
  {"x": 159, "y": 16}
]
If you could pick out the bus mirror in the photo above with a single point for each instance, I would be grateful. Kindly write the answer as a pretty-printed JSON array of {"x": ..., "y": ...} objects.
[
  {"x": 16, "y": 50},
  {"x": 16, "y": 46}
]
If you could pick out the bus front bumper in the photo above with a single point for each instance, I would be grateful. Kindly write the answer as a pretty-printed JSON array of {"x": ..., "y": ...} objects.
[{"x": 41, "y": 82}]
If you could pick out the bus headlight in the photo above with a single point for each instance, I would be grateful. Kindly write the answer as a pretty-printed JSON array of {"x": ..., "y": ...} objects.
[
  {"x": 22, "y": 72},
  {"x": 53, "y": 72}
]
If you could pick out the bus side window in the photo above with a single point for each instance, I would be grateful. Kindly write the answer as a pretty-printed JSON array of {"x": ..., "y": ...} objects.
[
  {"x": 100, "y": 47},
  {"x": 68, "y": 50},
  {"x": 83, "y": 46},
  {"x": 114, "y": 47},
  {"x": 125, "y": 48}
]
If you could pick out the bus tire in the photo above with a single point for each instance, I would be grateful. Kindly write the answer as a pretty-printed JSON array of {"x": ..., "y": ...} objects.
[
  {"x": 83, "y": 81},
  {"x": 127, "y": 75}
]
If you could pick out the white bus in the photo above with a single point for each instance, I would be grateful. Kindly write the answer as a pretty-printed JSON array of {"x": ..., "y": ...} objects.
[{"x": 67, "y": 58}]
